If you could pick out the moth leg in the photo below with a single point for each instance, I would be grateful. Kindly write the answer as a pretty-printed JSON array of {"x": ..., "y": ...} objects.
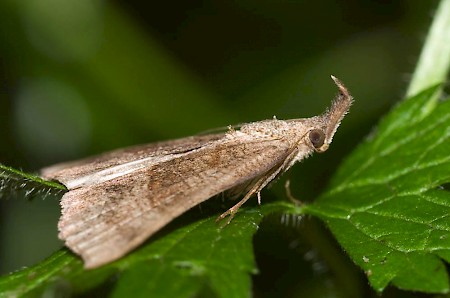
[
  {"x": 256, "y": 188},
  {"x": 287, "y": 187},
  {"x": 233, "y": 210}
]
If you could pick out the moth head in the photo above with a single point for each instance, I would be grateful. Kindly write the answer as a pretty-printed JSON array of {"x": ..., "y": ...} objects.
[
  {"x": 317, "y": 138},
  {"x": 321, "y": 137}
]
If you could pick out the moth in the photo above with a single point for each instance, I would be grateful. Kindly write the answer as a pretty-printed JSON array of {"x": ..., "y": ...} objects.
[{"x": 116, "y": 200}]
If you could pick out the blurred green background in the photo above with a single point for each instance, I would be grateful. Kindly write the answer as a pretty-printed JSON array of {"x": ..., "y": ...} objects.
[{"x": 82, "y": 77}]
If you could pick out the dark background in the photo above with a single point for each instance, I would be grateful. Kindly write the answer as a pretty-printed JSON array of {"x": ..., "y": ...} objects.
[{"x": 89, "y": 76}]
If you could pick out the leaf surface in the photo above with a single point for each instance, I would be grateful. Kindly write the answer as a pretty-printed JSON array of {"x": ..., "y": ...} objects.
[
  {"x": 202, "y": 257},
  {"x": 387, "y": 205}
]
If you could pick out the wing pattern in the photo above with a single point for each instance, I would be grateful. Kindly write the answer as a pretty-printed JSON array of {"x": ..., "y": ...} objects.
[{"x": 102, "y": 222}]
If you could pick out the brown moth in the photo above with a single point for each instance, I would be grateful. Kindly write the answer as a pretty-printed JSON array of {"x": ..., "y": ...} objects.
[{"x": 118, "y": 199}]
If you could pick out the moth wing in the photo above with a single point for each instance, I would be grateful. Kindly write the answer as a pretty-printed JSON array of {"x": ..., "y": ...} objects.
[
  {"x": 64, "y": 172},
  {"x": 103, "y": 222}
]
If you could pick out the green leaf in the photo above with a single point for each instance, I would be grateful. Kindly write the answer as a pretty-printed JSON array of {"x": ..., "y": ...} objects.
[
  {"x": 386, "y": 205},
  {"x": 197, "y": 258},
  {"x": 13, "y": 181}
]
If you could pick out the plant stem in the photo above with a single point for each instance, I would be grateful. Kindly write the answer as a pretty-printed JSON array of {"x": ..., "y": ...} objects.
[{"x": 434, "y": 61}]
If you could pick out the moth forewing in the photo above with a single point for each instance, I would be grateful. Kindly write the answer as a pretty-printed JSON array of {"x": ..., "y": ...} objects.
[
  {"x": 119, "y": 199},
  {"x": 102, "y": 222},
  {"x": 91, "y": 169}
]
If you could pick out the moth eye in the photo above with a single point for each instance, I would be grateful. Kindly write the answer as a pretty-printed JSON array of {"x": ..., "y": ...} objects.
[{"x": 317, "y": 138}]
